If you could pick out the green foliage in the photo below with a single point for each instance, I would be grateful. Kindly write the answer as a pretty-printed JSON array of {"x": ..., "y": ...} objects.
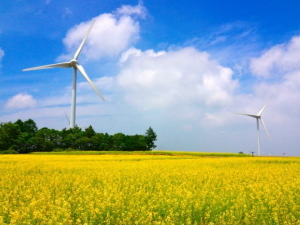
[
  {"x": 89, "y": 132},
  {"x": 47, "y": 139},
  {"x": 19, "y": 136},
  {"x": 119, "y": 141},
  {"x": 25, "y": 137},
  {"x": 9, "y": 151},
  {"x": 9, "y": 133},
  {"x": 150, "y": 138}
]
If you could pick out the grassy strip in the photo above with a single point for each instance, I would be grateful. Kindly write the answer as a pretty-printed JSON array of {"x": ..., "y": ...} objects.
[{"x": 169, "y": 153}]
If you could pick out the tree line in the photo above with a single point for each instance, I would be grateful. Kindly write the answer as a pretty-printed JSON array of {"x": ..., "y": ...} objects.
[{"x": 24, "y": 137}]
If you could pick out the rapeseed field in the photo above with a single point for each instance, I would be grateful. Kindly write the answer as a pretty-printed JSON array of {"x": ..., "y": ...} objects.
[{"x": 148, "y": 189}]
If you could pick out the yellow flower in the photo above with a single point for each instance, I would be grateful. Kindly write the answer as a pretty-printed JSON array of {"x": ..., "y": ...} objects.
[{"x": 148, "y": 189}]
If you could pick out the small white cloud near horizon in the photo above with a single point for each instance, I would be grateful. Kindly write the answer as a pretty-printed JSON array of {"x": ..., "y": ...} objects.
[
  {"x": 112, "y": 33},
  {"x": 20, "y": 101}
]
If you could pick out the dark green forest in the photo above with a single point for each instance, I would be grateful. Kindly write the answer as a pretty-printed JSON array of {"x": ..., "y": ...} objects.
[{"x": 24, "y": 137}]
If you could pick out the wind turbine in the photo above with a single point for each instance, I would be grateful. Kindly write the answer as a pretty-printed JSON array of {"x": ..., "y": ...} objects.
[
  {"x": 67, "y": 118},
  {"x": 76, "y": 66},
  {"x": 258, "y": 119}
]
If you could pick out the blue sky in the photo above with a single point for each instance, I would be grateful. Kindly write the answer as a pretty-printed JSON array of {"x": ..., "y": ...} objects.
[{"x": 181, "y": 67}]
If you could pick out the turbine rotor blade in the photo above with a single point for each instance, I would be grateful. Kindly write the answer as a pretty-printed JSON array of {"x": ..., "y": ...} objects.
[
  {"x": 82, "y": 71},
  {"x": 245, "y": 114},
  {"x": 67, "y": 118},
  {"x": 57, "y": 65},
  {"x": 83, "y": 41},
  {"x": 265, "y": 127},
  {"x": 264, "y": 107}
]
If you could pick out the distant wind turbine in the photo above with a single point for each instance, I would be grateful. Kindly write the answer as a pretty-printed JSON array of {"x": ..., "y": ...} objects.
[
  {"x": 67, "y": 118},
  {"x": 76, "y": 66},
  {"x": 258, "y": 118}
]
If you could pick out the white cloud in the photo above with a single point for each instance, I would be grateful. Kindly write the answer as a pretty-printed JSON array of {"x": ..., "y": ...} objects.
[
  {"x": 67, "y": 12},
  {"x": 279, "y": 59},
  {"x": 170, "y": 79},
  {"x": 112, "y": 33},
  {"x": 61, "y": 100},
  {"x": 129, "y": 10},
  {"x": 20, "y": 101},
  {"x": 1, "y": 55}
]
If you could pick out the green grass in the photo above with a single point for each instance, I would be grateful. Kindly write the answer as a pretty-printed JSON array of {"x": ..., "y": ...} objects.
[{"x": 156, "y": 152}]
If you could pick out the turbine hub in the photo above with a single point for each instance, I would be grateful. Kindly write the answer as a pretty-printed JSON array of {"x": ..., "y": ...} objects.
[{"x": 74, "y": 62}]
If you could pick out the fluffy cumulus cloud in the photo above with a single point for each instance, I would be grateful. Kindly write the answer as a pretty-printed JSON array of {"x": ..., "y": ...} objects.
[
  {"x": 112, "y": 33},
  {"x": 20, "y": 101},
  {"x": 279, "y": 59},
  {"x": 184, "y": 78}
]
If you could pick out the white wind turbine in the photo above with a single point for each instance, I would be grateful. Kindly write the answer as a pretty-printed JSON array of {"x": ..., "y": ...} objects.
[
  {"x": 76, "y": 66},
  {"x": 258, "y": 118}
]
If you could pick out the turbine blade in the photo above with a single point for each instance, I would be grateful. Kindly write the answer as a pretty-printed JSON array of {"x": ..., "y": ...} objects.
[
  {"x": 57, "y": 65},
  {"x": 263, "y": 108},
  {"x": 67, "y": 118},
  {"x": 246, "y": 114},
  {"x": 82, "y": 71},
  {"x": 265, "y": 127},
  {"x": 83, "y": 41}
]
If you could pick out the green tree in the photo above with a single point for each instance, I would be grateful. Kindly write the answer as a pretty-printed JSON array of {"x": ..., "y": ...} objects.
[
  {"x": 135, "y": 143},
  {"x": 102, "y": 142},
  {"x": 73, "y": 134},
  {"x": 150, "y": 137},
  {"x": 9, "y": 133},
  {"x": 118, "y": 142},
  {"x": 84, "y": 143},
  {"x": 28, "y": 126},
  {"x": 141, "y": 143},
  {"x": 63, "y": 136},
  {"x": 89, "y": 132},
  {"x": 25, "y": 141},
  {"x": 47, "y": 139},
  {"x": 26, "y": 137}
]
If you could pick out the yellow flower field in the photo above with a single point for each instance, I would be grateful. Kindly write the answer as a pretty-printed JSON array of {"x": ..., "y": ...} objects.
[{"x": 148, "y": 189}]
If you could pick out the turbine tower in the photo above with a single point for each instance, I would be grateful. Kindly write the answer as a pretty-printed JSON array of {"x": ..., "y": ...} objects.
[
  {"x": 258, "y": 119},
  {"x": 76, "y": 66}
]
